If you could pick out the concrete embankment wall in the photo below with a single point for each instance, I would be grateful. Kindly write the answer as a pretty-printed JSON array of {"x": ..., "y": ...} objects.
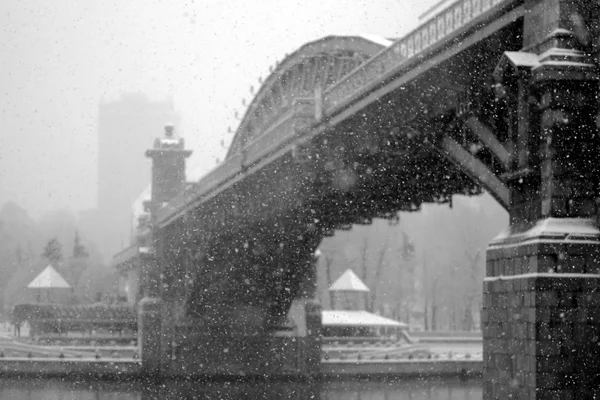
[
  {"x": 400, "y": 368},
  {"x": 73, "y": 368},
  {"x": 446, "y": 337},
  {"x": 338, "y": 370}
]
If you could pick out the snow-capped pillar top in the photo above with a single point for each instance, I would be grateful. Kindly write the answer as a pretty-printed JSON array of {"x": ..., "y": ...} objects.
[{"x": 168, "y": 166}]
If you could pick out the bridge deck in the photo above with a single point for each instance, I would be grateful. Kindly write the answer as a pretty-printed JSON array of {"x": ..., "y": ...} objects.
[{"x": 451, "y": 31}]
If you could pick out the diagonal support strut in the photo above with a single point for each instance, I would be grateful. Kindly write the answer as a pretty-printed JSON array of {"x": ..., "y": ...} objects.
[
  {"x": 490, "y": 141},
  {"x": 475, "y": 169}
]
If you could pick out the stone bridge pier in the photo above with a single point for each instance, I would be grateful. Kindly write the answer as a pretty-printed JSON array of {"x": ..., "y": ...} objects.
[{"x": 541, "y": 311}]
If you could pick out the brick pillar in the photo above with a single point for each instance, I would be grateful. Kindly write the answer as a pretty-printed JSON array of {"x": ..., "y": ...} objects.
[
  {"x": 313, "y": 317},
  {"x": 313, "y": 350},
  {"x": 156, "y": 318},
  {"x": 168, "y": 167},
  {"x": 541, "y": 307},
  {"x": 541, "y": 313},
  {"x": 305, "y": 312},
  {"x": 149, "y": 335}
]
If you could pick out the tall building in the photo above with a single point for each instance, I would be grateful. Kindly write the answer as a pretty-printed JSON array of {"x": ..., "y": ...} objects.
[{"x": 127, "y": 127}]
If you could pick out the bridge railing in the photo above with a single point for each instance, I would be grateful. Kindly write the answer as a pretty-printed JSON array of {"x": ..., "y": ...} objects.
[
  {"x": 444, "y": 25},
  {"x": 56, "y": 318},
  {"x": 281, "y": 133}
]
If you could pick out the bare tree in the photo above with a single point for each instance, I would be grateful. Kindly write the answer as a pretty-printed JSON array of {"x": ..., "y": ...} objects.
[
  {"x": 53, "y": 251},
  {"x": 473, "y": 241},
  {"x": 19, "y": 256},
  {"x": 376, "y": 276},
  {"x": 473, "y": 257},
  {"x": 434, "y": 305},
  {"x": 426, "y": 297},
  {"x": 378, "y": 268},
  {"x": 431, "y": 297},
  {"x": 363, "y": 255}
]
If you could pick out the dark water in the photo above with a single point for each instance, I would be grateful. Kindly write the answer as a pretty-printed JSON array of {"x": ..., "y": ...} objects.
[{"x": 29, "y": 389}]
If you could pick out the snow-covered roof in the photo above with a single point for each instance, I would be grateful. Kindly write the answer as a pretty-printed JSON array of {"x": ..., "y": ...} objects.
[
  {"x": 356, "y": 318},
  {"x": 377, "y": 39},
  {"x": 348, "y": 282},
  {"x": 49, "y": 278},
  {"x": 169, "y": 141}
]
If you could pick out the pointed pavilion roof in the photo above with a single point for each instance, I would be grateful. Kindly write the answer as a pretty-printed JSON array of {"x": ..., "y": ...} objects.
[
  {"x": 348, "y": 282},
  {"x": 49, "y": 278}
]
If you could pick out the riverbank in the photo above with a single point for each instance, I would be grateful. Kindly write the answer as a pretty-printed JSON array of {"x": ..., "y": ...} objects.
[
  {"x": 433, "y": 388},
  {"x": 400, "y": 369},
  {"x": 118, "y": 369},
  {"x": 129, "y": 369}
]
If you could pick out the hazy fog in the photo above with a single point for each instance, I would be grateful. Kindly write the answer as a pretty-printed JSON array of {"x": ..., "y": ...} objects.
[{"x": 58, "y": 59}]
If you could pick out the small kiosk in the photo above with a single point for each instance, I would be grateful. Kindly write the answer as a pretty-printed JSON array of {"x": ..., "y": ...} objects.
[
  {"x": 350, "y": 291},
  {"x": 49, "y": 286},
  {"x": 353, "y": 323}
]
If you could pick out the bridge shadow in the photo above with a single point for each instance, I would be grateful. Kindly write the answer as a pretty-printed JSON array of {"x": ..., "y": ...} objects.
[{"x": 426, "y": 389}]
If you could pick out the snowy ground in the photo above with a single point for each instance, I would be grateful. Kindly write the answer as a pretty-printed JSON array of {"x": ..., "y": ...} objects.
[{"x": 10, "y": 346}]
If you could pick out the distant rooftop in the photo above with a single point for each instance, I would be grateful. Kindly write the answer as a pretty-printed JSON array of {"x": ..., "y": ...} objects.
[
  {"x": 49, "y": 278},
  {"x": 348, "y": 282}
]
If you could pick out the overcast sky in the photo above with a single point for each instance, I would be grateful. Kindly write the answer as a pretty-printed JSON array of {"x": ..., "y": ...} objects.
[{"x": 59, "y": 58}]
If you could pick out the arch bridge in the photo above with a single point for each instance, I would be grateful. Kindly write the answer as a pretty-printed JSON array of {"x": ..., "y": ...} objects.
[{"x": 494, "y": 95}]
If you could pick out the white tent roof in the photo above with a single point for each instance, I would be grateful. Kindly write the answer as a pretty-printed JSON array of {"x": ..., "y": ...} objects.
[
  {"x": 48, "y": 279},
  {"x": 356, "y": 318},
  {"x": 349, "y": 282}
]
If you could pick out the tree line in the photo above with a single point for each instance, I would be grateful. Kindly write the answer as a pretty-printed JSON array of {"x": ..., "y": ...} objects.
[
  {"x": 27, "y": 246},
  {"x": 426, "y": 268}
]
